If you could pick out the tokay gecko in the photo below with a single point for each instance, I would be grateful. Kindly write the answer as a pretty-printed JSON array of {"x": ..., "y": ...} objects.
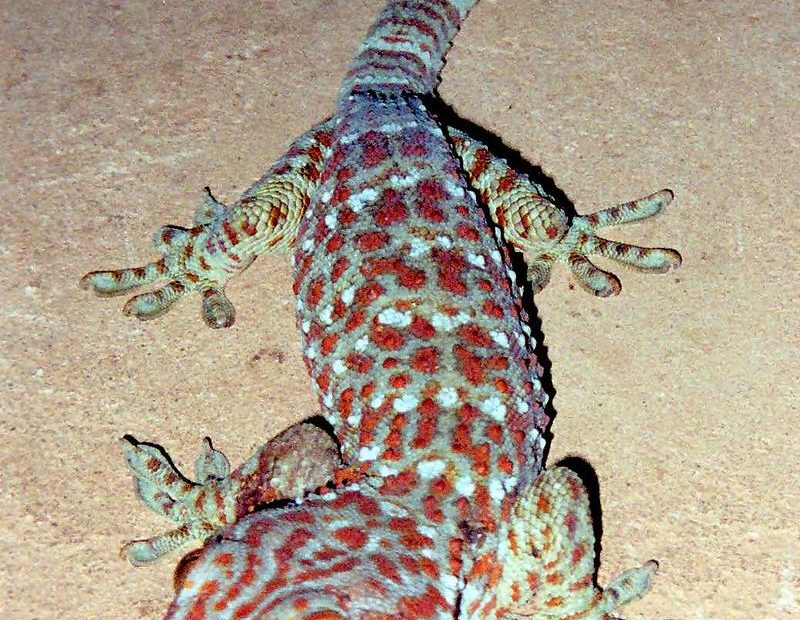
[{"x": 422, "y": 492}]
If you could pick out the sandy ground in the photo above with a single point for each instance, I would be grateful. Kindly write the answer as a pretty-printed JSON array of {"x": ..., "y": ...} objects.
[{"x": 682, "y": 393}]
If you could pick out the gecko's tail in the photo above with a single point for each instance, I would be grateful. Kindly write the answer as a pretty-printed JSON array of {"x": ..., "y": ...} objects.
[{"x": 405, "y": 48}]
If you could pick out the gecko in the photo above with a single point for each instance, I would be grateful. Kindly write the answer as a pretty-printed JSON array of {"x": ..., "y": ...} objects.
[{"x": 420, "y": 490}]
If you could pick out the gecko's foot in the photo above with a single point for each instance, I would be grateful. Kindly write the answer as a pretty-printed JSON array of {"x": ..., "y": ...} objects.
[
  {"x": 552, "y": 568},
  {"x": 188, "y": 265},
  {"x": 199, "y": 508},
  {"x": 301, "y": 459},
  {"x": 577, "y": 242}
]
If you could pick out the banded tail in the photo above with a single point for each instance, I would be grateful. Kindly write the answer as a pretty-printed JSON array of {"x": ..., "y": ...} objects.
[{"x": 404, "y": 50}]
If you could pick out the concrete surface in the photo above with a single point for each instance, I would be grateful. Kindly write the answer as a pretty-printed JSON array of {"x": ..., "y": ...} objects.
[{"x": 682, "y": 393}]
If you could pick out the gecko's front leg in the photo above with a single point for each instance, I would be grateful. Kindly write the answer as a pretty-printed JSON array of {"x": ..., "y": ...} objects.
[
  {"x": 534, "y": 224},
  {"x": 223, "y": 240},
  {"x": 226, "y": 240}
]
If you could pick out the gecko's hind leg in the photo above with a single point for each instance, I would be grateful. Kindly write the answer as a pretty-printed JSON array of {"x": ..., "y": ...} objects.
[
  {"x": 551, "y": 564},
  {"x": 296, "y": 462}
]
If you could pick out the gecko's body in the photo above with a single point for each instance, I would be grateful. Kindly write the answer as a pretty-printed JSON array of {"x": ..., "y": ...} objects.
[{"x": 437, "y": 504}]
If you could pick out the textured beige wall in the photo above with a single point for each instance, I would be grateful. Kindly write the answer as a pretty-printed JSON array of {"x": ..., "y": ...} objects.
[{"x": 682, "y": 393}]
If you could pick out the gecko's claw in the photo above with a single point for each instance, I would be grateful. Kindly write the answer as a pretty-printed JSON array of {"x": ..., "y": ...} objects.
[
  {"x": 298, "y": 461},
  {"x": 192, "y": 262},
  {"x": 580, "y": 240},
  {"x": 167, "y": 492}
]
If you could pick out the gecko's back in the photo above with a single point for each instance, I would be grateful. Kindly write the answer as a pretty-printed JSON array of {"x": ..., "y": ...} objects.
[{"x": 436, "y": 505}]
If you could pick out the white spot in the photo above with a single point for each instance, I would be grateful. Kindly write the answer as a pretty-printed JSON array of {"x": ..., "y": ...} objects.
[
  {"x": 496, "y": 256},
  {"x": 305, "y": 326},
  {"x": 325, "y": 197},
  {"x": 311, "y": 352},
  {"x": 331, "y": 220},
  {"x": 404, "y": 403},
  {"x": 369, "y": 454},
  {"x": 500, "y": 338},
  {"x": 521, "y": 342},
  {"x": 477, "y": 260},
  {"x": 401, "y": 181},
  {"x": 427, "y": 530},
  {"x": 357, "y": 201},
  {"x": 385, "y": 470},
  {"x": 350, "y": 137},
  {"x": 523, "y": 406},
  {"x": 325, "y": 315},
  {"x": 377, "y": 400},
  {"x": 395, "y": 127},
  {"x": 354, "y": 419},
  {"x": 445, "y": 242},
  {"x": 348, "y": 295},
  {"x": 418, "y": 247},
  {"x": 329, "y": 496},
  {"x": 339, "y": 367},
  {"x": 454, "y": 190},
  {"x": 428, "y": 470},
  {"x": 393, "y": 510},
  {"x": 450, "y": 583},
  {"x": 527, "y": 330},
  {"x": 496, "y": 490},
  {"x": 390, "y": 128},
  {"x": 510, "y": 483},
  {"x": 327, "y": 400},
  {"x": 494, "y": 408},
  {"x": 465, "y": 486},
  {"x": 445, "y": 322},
  {"x": 361, "y": 344},
  {"x": 308, "y": 245},
  {"x": 447, "y": 397},
  {"x": 392, "y": 316}
]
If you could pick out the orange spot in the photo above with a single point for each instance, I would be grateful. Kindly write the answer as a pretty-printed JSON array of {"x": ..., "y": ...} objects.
[
  {"x": 314, "y": 292},
  {"x": 492, "y": 309},
  {"x": 471, "y": 364},
  {"x": 371, "y": 241},
  {"x": 399, "y": 381},
  {"x": 475, "y": 335},
  {"x": 339, "y": 267},
  {"x": 324, "y": 615},
  {"x": 425, "y": 360},
  {"x": 386, "y": 337},
  {"x": 329, "y": 343},
  {"x": 423, "y": 606},
  {"x": 391, "y": 210},
  {"x": 465, "y": 231},
  {"x": 421, "y": 328},
  {"x": 345, "y": 404},
  {"x": 386, "y": 567},
  {"x": 505, "y": 464},
  {"x": 353, "y": 537},
  {"x": 495, "y": 432},
  {"x": 431, "y": 509},
  {"x": 335, "y": 243}
]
